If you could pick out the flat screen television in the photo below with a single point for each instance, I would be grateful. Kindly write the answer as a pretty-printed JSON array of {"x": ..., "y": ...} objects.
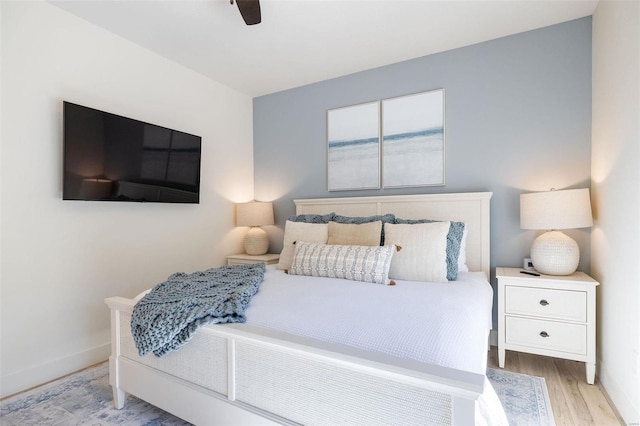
[{"x": 108, "y": 157}]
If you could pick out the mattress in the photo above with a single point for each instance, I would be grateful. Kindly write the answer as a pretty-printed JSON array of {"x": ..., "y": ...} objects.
[
  {"x": 444, "y": 324},
  {"x": 436, "y": 323}
]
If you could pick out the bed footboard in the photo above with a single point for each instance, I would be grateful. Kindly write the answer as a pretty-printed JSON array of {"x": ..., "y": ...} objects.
[{"x": 258, "y": 376}]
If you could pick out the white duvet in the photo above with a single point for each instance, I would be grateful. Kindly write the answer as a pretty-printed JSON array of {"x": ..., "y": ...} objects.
[{"x": 436, "y": 323}]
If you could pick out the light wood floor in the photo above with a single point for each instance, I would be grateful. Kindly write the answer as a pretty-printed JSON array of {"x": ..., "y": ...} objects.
[{"x": 574, "y": 402}]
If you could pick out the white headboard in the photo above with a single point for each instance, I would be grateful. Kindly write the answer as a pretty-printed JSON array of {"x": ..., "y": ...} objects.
[{"x": 472, "y": 208}]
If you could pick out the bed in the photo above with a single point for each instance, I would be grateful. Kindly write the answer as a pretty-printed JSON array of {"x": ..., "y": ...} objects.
[{"x": 282, "y": 369}]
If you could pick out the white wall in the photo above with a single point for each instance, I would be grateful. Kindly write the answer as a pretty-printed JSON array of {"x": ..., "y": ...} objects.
[
  {"x": 615, "y": 249},
  {"x": 60, "y": 259}
]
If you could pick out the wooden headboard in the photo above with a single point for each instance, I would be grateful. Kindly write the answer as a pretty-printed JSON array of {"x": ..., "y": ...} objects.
[{"x": 472, "y": 208}]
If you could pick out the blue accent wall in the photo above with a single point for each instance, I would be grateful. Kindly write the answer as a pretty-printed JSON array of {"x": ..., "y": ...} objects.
[{"x": 517, "y": 119}]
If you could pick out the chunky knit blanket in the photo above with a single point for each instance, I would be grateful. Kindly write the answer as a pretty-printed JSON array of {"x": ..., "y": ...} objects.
[{"x": 166, "y": 318}]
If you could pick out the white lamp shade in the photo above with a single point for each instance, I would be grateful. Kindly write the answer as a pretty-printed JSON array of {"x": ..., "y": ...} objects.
[
  {"x": 254, "y": 213},
  {"x": 566, "y": 209}
]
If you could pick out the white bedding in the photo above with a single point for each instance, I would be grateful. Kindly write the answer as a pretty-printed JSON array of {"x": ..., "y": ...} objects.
[{"x": 436, "y": 323}]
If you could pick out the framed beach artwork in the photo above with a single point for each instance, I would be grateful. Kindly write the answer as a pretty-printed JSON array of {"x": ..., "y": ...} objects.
[
  {"x": 413, "y": 140},
  {"x": 353, "y": 147}
]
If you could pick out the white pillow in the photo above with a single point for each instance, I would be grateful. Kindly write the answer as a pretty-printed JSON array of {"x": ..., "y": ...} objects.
[
  {"x": 423, "y": 253},
  {"x": 356, "y": 263},
  {"x": 462, "y": 257},
  {"x": 300, "y": 231}
]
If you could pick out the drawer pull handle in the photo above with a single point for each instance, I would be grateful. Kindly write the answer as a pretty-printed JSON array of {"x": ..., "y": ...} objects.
[
  {"x": 544, "y": 334},
  {"x": 544, "y": 302}
]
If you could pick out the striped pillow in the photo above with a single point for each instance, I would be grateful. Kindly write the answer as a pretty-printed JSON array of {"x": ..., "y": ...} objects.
[{"x": 357, "y": 263}]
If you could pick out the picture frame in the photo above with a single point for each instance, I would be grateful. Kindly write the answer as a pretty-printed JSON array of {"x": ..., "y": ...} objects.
[
  {"x": 353, "y": 147},
  {"x": 413, "y": 140}
]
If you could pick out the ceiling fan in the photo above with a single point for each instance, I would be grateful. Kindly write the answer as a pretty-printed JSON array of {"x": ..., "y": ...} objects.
[{"x": 250, "y": 11}]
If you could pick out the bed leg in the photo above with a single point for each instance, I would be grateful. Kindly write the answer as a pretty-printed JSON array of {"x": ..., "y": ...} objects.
[
  {"x": 114, "y": 380},
  {"x": 118, "y": 398}
]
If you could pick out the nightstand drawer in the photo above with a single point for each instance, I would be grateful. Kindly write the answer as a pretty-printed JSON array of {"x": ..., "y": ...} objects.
[
  {"x": 556, "y": 336},
  {"x": 546, "y": 303}
]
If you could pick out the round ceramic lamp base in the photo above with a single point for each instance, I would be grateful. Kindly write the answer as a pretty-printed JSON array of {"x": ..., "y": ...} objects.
[
  {"x": 555, "y": 253},
  {"x": 256, "y": 241}
]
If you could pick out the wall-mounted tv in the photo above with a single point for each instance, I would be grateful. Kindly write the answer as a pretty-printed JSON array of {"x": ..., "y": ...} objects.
[{"x": 108, "y": 157}]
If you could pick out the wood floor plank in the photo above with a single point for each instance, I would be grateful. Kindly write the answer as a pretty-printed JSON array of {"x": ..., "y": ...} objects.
[
  {"x": 595, "y": 400},
  {"x": 560, "y": 401},
  {"x": 573, "y": 401},
  {"x": 578, "y": 406}
]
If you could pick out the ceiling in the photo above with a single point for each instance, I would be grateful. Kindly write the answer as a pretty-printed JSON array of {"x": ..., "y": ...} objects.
[{"x": 305, "y": 41}]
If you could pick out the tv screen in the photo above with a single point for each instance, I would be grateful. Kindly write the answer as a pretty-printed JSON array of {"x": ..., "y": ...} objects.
[{"x": 112, "y": 158}]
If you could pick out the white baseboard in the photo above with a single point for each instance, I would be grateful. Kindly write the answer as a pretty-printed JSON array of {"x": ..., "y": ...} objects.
[
  {"x": 26, "y": 379},
  {"x": 626, "y": 408}
]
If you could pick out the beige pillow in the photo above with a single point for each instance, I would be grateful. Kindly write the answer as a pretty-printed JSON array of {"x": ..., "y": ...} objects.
[
  {"x": 300, "y": 231},
  {"x": 423, "y": 254},
  {"x": 348, "y": 234}
]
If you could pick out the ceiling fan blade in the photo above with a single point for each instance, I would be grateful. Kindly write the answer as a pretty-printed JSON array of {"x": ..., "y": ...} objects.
[{"x": 250, "y": 11}]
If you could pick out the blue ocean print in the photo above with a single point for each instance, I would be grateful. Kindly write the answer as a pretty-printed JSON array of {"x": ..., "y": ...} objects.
[
  {"x": 353, "y": 147},
  {"x": 413, "y": 158},
  {"x": 354, "y": 164}
]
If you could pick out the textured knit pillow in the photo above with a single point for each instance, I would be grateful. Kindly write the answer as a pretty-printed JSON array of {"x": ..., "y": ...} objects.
[
  {"x": 350, "y": 234},
  {"x": 357, "y": 263},
  {"x": 312, "y": 218},
  {"x": 300, "y": 231},
  {"x": 454, "y": 244},
  {"x": 385, "y": 218},
  {"x": 424, "y": 251}
]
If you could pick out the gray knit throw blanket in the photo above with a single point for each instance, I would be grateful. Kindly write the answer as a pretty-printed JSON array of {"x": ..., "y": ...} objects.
[{"x": 168, "y": 316}]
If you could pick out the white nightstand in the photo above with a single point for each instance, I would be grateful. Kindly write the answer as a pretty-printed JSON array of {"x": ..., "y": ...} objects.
[
  {"x": 240, "y": 259},
  {"x": 548, "y": 315}
]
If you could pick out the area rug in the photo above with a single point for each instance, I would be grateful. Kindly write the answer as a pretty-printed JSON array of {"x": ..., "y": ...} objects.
[
  {"x": 525, "y": 398},
  {"x": 85, "y": 398}
]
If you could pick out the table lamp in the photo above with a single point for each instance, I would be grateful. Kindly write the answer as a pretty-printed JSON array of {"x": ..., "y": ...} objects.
[
  {"x": 553, "y": 252},
  {"x": 255, "y": 214}
]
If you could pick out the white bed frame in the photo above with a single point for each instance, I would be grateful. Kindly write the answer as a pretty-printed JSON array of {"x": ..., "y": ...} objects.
[{"x": 239, "y": 374}]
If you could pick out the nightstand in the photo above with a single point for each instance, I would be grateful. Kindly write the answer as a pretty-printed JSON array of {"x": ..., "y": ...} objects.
[
  {"x": 547, "y": 315},
  {"x": 240, "y": 259}
]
